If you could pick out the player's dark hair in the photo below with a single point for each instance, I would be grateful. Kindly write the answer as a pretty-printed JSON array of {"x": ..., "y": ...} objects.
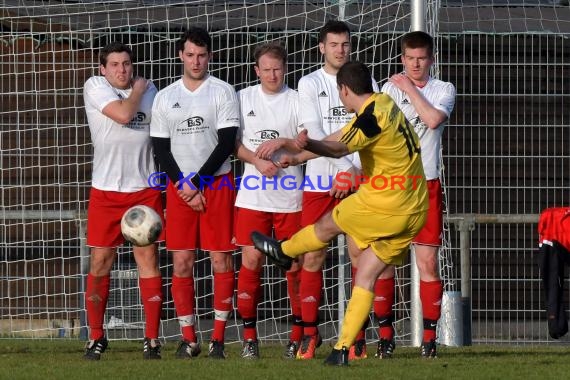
[
  {"x": 417, "y": 39},
  {"x": 273, "y": 49},
  {"x": 196, "y": 35},
  {"x": 114, "y": 47},
  {"x": 334, "y": 27},
  {"x": 356, "y": 76}
]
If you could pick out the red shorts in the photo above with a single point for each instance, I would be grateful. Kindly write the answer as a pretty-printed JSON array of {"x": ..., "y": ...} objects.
[
  {"x": 106, "y": 208},
  {"x": 315, "y": 205},
  {"x": 554, "y": 225},
  {"x": 431, "y": 233},
  {"x": 211, "y": 230},
  {"x": 247, "y": 221}
]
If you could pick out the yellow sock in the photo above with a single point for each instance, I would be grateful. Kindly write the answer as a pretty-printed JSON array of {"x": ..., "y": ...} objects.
[
  {"x": 302, "y": 242},
  {"x": 356, "y": 313}
]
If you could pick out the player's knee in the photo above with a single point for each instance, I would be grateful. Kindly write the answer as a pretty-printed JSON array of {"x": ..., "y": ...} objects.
[
  {"x": 183, "y": 267},
  {"x": 100, "y": 270},
  {"x": 427, "y": 263},
  {"x": 221, "y": 263},
  {"x": 252, "y": 263},
  {"x": 428, "y": 269},
  {"x": 101, "y": 263}
]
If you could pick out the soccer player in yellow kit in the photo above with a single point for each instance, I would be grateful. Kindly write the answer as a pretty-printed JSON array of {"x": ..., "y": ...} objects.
[{"x": 386, "y": 212}]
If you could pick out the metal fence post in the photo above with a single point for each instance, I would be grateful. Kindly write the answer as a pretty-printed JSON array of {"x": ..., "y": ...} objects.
[
  {"x": 84, "y": 268},
  {"x": 465, "y": 227},
  {"x": 416, "y": 314},
  {"x": 341, "y": 244}
]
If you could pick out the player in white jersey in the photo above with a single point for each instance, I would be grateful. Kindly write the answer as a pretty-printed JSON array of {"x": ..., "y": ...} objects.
[
  {"x": 427, "y": 103},
  {"x": 194, "y": 127},
  {"x": 118, "y": 108},
  {"x": 269, "y": 198},
  {"x": 322, "y": 114}
]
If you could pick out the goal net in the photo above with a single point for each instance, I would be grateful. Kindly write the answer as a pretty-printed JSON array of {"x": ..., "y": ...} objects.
[{"x": 47, "y": 51}]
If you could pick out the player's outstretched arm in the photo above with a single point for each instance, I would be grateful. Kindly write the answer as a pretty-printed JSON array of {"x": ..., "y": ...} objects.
[
  {"x": 285, "y": 160},
  {"x": 304, "y": 155},
  {"x": 268, "y": 148},
  {"x": 329, "y": 147}
]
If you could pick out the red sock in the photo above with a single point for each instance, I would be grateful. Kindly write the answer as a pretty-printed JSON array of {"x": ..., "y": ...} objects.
[
  {"x": 430, "y": 295},
  {"x": 248, "y": 286},
  {"x": 310, "y": 286},
  {"x": 151, "y": 295},
  {"x": 223, "y": 298},
  {"x": 183, "y": 295},
  {"x": 384, "y": 293},
  {"x": 96, "y": 296},
  {"x": 293, "y": 290}
]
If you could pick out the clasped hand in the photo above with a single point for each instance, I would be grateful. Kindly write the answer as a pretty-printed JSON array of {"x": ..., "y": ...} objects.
[{"x": 193, "y": 197}]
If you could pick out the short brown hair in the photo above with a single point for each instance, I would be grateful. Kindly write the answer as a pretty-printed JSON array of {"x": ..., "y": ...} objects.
[
  {"x": 334, "y": 27},
  {"x": 417, "y": 39},
  {"x": 198, "y": 36},
  {"x": 356, "y": 76},
  {"x": 274, "y": 49},
  {"x": 114, "y": 47}
]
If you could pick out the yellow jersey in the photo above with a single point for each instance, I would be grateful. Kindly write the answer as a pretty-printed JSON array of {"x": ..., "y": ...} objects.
[{"x": 393, "y": 180}]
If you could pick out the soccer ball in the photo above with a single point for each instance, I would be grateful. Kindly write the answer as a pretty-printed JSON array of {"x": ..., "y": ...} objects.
[{"x": 141, "y": 225}]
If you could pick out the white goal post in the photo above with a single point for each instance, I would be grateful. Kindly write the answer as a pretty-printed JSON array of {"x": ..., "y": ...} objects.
[{"x": 47, "y": 51}]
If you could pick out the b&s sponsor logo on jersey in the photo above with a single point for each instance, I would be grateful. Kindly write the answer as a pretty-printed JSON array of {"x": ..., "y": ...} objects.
[
  {"x": 195, "y": 121},
  {"x": 139, "y": 117},
  {"x": 138, "y": 122},
  {"x": 267, "y": 134},
  {"x": 264, "y": 135},
  {"x": 337, "y": 115},
  {"x": 194, "y": 124},
  {"x": 338, "y": 111}
]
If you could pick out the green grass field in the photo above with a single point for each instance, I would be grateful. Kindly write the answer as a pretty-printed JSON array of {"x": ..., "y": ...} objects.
[{"x": 45, "y": 359}]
